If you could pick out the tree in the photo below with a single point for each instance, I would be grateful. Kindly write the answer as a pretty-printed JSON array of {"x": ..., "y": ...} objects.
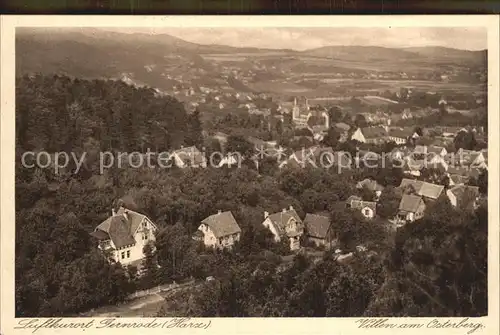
[
  {"x": 239, "y": 145},
  {"x": 465, "y": 140},
  {"x": 194, "y": 135},
  {"x": 335, "y": 114},
  {"x": 418, "y": 130},
  {"x": 332, "y": 138},
  {"x": 151, "y": 274},
  {"x": 389, "y": 203}
]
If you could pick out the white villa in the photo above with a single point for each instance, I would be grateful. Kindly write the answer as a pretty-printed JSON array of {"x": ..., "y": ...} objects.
[{"x": 124, "y": 234}]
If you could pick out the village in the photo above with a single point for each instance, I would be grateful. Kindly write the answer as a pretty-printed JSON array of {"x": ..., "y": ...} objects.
[
  {"x": 335, "y": 181},
  {"x": 430, "y": 171}
]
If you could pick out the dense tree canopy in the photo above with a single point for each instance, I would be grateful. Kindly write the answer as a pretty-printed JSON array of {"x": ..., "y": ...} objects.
[{"x": 435, "y": 266}]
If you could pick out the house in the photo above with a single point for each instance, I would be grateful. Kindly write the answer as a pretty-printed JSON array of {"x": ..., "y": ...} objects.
[
  {"x": 463, "y": 196},
  {"x": 372, "y": 185},
  {"x": 367, "y": 208},
  {"x": 436, "y": 162},
  {"x": 401, "y": 135},
  {"x": 285, "y": 225},
  {"x": 457, "y": 179},
  {"x": 471, "y": 158},
  {"x": 124, "y": 234},
  {"x": 188, "y": 157},
  {"x": 437, "y": 150},
  {"x": 375, "y": 135},
  {"x": 319, "y": 230},
  {"x": 411, "y": 208},
  {"x": 219, "y": 230},
  {"x": 421, "y": 188}
]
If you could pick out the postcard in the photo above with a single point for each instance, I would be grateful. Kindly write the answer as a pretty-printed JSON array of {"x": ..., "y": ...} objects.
[{"x": 249, "y": 175}]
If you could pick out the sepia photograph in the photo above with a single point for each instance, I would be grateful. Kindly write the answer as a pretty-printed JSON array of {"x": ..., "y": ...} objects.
[{"x": 246, "y": 171}]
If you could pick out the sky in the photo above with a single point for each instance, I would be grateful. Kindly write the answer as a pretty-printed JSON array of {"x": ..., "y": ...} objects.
[{"x": 309, "y": 38}]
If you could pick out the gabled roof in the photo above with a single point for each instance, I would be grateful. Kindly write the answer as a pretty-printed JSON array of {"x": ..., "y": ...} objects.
[
  {"x": 423, "y": 188},
  {"x": 458, "y": 179},
  {"x": 317, "y": 225},
  {"x": 374, "y": 132},
  {"x": 410, "y": 203},
  {"x": 120, "y": 227},
  {"x": 222, "y": 224},
  {"x": 280, "y": 219}
]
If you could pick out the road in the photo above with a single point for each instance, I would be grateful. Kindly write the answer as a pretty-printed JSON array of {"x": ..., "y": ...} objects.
[{"x": 141, "y": 307}]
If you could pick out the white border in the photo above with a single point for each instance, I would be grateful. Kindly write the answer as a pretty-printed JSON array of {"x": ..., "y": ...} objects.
[{"x": 233, "y": 325}]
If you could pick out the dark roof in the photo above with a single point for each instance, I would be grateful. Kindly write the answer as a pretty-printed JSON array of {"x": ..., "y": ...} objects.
[
  {"x": 459, "y": 179},
  {"x": 222, "y": 224},
  {"x": 120, "y": 227},
  {"x": 410, "y": 203},
  {"x": 317, "y": 225},
  {"x": 374, "y": 132},
  {"x": 280, "y": 219},
  {"x": 100, "y": 235},
  {"x": 423, "y": 188}
]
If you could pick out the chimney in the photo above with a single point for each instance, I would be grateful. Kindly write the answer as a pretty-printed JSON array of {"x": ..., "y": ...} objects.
[
  {"x": 266, "y": 214},
  {"x": 219, "y": 212},
  {"x": 284, "y": 210},
  {"x": 113, "y": 212},
  {"x": 291, "y": 208},
  {"x": 125, "y": 215}
]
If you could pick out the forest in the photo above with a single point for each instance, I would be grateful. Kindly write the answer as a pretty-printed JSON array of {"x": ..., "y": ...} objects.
[{"x": 436, "y": 266}]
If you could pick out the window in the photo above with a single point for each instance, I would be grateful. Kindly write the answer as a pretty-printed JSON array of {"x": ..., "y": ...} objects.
[
  {"x": 123, "y": 254},
  {"x": 128, "y": 253},
  {"x": 367, "y": 212}
]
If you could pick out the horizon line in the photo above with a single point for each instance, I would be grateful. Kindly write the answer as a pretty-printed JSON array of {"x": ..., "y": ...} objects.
[{"x": 146, "y": 33}]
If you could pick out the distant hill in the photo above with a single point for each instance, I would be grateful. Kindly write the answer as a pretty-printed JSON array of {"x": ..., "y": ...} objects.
[
  {"x": 156, "y": 59},
  {"x": 418, "y": 54},
  {"x": 437, "y": 52},
  {"x": 360, "y": 53}
]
